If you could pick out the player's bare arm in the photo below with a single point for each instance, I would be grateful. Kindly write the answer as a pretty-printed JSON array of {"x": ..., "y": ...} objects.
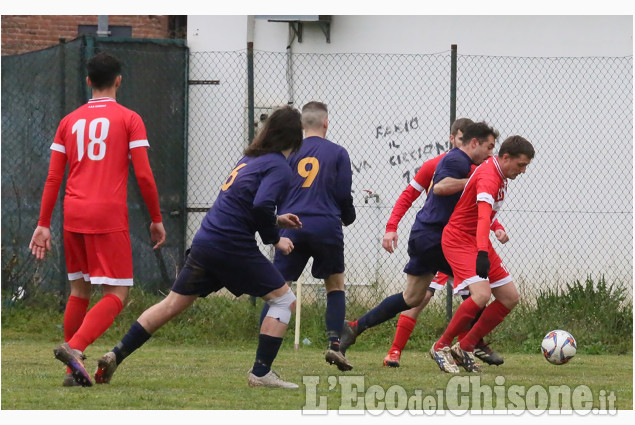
[{"x": 449, "y": 186}]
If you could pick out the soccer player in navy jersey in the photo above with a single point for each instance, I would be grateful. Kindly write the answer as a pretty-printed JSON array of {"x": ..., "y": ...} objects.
[
  {"x": 320, "y": 194},
  {"x": 424, "y": 244},
  {"x": 225, "y": 253}
]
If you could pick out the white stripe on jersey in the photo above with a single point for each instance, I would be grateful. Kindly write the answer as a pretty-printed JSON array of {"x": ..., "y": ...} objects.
[
  {"x": 417, "y": 186},
  {"x": 138, "y": 144},
  {"x": 498, "y": 167},
  {"x": 485, "y": 197},
  {"x": 58, "y": 147}
]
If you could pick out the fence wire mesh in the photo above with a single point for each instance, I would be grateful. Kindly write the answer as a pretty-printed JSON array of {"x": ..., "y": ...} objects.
[
  {"x": 569, "y": 217},
  {"x": 38, "y": 90}
]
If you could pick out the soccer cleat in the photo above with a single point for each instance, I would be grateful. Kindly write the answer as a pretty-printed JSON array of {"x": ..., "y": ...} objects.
[
  {"x": 69, "y": 381},
  {"x": 348, "y": 337},
  {"x": 338, "y": 359},
  {"x": 106, "y": 367},
  {"x": 271, "y": 380},
  {"x": 74, "y": 360},
  {"x": 483, "y": 352},
  {"x": 392, "y": 358},
  {"x": 444, "y": 360},
  {"x": 465, "y": 358}
]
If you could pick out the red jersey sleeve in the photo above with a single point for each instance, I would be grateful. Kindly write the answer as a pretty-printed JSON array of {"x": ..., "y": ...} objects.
[
  {"x": 420, "y": 183},
  {"x": 486, "y": 189},
  {"x": 496, "y": 226},
  {"x": 57, "y": 167},
  {"x": 145, "y": 178},
  {"x": 482, "y": 228}
]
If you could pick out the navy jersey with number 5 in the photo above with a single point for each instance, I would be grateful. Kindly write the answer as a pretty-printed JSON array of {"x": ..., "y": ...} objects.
[
  {"x": 320, "y": 191},
  {"x": 246, "y": 204}
]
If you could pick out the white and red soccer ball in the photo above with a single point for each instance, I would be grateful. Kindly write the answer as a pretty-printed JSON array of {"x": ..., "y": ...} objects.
[{"x": 558, "y": 347}]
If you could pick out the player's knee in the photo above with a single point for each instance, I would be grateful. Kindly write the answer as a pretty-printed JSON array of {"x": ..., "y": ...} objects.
[
  {"x": 510, "y": 301},
  {"x": 280, "y": 308},
  {"x": 415, "y": 298},
  {"x": 481, "y": 297}
]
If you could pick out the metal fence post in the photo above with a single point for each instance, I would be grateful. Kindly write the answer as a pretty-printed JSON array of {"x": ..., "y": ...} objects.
[{"x": 448, "y": 305}]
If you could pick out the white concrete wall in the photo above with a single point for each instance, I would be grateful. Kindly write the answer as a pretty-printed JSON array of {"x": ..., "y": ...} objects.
[{"x": 542, "y": 36}]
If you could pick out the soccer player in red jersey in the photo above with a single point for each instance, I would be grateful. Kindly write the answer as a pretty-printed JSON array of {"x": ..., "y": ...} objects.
[
  {"x": 97, "y": 140},
  {"x": 475, "y": 264},
  {"x": 424, "y": 244},
  {"x": 408, "y": 319}
]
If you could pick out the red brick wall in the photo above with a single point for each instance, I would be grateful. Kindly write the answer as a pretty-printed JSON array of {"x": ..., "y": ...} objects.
[{"x": 24, "y": 33}]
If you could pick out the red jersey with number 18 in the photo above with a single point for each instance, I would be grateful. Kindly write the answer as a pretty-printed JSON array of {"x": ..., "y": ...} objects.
[
  {"x": 487, "y": 184},
  {"x": 96, "y": 139}
]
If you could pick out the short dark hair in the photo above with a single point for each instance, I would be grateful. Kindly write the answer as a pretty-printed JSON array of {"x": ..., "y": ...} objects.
[
  {"x": 102, "y": 70},
  {"x": 311, "y": 112},
  {"x": 460, "y": 124},
  {"x": 515, "y": 146},
  {"x": 480, "y": 131},
  {"x": 281, "y": 131}
]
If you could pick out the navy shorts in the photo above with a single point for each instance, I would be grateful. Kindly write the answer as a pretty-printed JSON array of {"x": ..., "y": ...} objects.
[
  {"x": 208, "y": 270},
  {"x": 425, "y": 259},
  {"x": 328, "y": 259}
]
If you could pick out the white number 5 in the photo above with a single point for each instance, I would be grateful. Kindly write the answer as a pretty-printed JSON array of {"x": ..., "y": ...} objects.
[{"x": 95, "y": 141}]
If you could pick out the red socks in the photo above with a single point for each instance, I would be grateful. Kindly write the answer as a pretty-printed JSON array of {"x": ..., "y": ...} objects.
[
  {"x": 96, "y": 322},
  {"x": 492, "y": 316},
  {"x": 74, "y": 315},
  {"x": 405, "y": 326},
  {"x": 466, "y": 312}
]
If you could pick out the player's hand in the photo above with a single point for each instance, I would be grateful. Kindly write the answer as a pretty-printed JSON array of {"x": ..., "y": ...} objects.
[
  {"x": 157, "y": 234},
  {"x": 289, "y": 221},
  {"x": 501, "y": 235},
  {"x": 390, "y": 241},
  {"x": 284, "y": 245},
  {"x": 482, "y": 264},
  {"x": 40, "y": 242}
]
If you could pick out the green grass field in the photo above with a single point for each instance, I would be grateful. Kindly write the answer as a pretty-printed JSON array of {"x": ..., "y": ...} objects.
[
  {"x": 199, "y": 361},
  {"x": 163, "y": 376}
]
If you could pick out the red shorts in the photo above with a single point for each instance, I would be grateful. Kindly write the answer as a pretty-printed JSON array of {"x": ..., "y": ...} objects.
[
  {"x": 439, "y": 281},
  {"x": 460, "y": 250},
  {"x": 103, "y": 258}
]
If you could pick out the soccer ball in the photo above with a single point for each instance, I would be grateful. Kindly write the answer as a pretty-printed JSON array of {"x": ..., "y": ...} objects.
[{"x": 558, "y": 347}]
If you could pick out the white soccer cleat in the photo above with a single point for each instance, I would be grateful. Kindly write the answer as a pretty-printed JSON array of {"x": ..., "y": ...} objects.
[
  {"x": 444, "y": 360},
  {"x": 271, "y": 380}
]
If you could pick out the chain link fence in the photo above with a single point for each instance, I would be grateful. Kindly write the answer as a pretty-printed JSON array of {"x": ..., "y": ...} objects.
[
  {"x": 38, "y": 90},
  {"x": 569, "y": 217}
]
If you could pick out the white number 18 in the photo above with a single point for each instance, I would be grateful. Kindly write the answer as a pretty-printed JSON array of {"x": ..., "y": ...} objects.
[{"x": 95, "y": 141}]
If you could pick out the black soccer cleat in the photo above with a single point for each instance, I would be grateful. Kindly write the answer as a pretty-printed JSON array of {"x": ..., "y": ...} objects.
[{"x": 484, "y": 353}]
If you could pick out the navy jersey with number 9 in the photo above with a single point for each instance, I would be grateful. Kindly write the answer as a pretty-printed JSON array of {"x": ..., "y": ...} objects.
[{"x": 320, "y": 192}]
